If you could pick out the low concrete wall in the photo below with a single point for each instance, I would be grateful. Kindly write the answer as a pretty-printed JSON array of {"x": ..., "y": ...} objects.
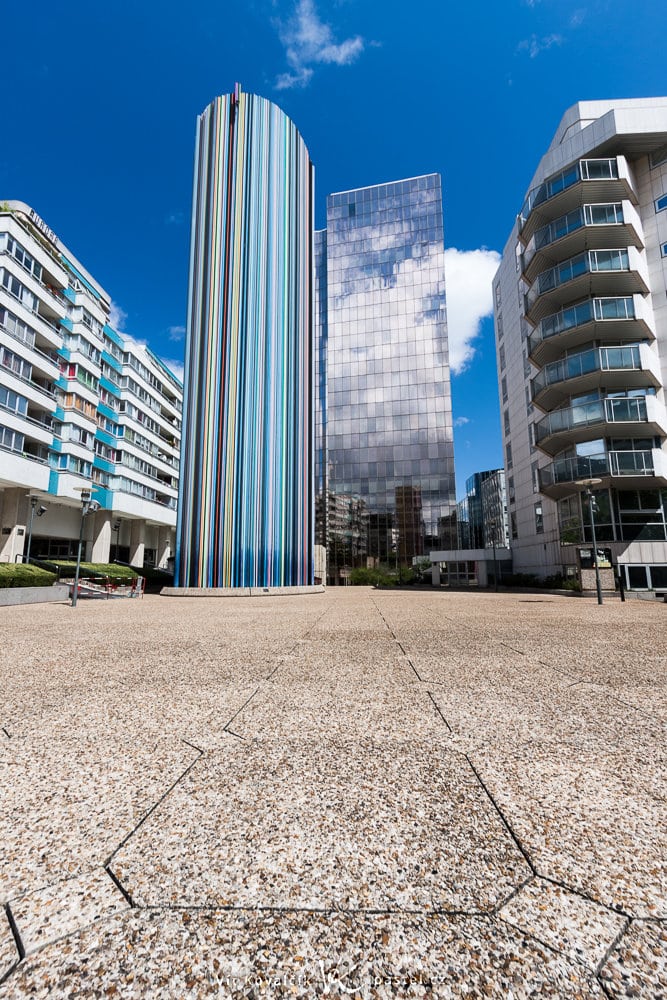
[
  {"x": 32, "y": 595},
  {"x": 240, "y": 591}
]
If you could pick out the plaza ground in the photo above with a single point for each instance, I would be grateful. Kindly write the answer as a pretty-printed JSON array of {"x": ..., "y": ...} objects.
[{"x": 361, "y": 793}]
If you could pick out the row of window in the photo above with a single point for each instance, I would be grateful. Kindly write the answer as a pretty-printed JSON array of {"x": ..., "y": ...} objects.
[
  {"x": 20, "y": 254},
  {"x": 12, "y": 402},
  {"x": 17, "y": 328},
  {"x": 10, "y": 439},
  {"x": 15, "y": 364}
]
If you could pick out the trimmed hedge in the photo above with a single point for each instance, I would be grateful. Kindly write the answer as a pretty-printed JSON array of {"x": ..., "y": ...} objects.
[
  {"x": 23, "y": 575},
  {"x": 67, "y": 570}
]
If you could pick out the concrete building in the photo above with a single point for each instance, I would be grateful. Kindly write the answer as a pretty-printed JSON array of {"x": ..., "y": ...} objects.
[
  {"x": 581, "y": 331},
  {"x": 386, "y": 460},
  {"x": 246, "y": 505},
  {"x": 80, "y": 405}
]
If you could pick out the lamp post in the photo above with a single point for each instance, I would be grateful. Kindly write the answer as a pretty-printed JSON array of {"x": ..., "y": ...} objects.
[
  {"x": 33, "y": 514},
  {"x": 588, "y": 485},
  {"x": 88, "y": 505},
  {"x": 492, "y": 525},
  {"x": 116, "y": 528}
]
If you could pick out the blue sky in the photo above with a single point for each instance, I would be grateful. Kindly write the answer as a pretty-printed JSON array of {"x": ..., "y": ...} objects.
[{"x": 100, "y": 102}]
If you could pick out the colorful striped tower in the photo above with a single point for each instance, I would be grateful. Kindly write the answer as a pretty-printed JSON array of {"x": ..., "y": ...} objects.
[{"x": 245, "y": 514}]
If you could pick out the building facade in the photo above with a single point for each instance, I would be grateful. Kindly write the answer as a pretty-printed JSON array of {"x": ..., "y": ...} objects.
[
  {"x": 386, "y": 468},
  {"x": 581, "y": 331},
  {"x": 246, "y": 507},
  {"x": 481, "y": 516},
  {"x": 80, "y": 405}
]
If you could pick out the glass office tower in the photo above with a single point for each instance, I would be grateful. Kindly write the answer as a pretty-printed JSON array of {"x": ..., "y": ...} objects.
[
  {"x": 246, "y": 512},
  {"x": 390, "y": 455}
]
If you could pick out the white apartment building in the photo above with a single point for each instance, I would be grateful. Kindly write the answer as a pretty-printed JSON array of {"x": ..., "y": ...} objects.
[
  {"x": 81, "y": 406},
  {"x": 581, "y": 335}
]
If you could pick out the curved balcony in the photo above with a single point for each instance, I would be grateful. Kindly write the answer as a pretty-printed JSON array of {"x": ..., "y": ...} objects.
[
  {"x": 591, "y": 227},
  {"x": 626, "y": 470},
  {"x": 624, "y": 416},
  {"x": 610, "y": 368},
  {"x": 614, "y": 319},
  {"x": 603, "y": 273},
  {"x": 590, "y": 180}
]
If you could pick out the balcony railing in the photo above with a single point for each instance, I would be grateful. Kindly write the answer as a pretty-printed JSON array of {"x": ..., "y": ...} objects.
[
  {"x": 597, "y": 310},
  {"x": 584, "y": 170},
  {"x": 605, "y": 464},
  {"x": 628, "y": 410},
  {"x": 597, "y": 359},
  {"x": 589, "y": 262}
]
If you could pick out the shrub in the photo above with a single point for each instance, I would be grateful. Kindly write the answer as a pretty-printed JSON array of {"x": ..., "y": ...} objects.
[
  {"x": 67, "y": 570},
  {"x": 24, "y": 575}
]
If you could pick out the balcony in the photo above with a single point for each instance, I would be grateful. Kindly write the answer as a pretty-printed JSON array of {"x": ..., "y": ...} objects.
[
  {"x": 591, "y": 227},
  {"x": 626, "y": 470},
  {"x": 586, "y": 181},
  {"x": 629, "y": 415},
  {"x": 610, "y": 368},
  {"x": 614, "y": 319},
  {"x": 604, "y": 273}
]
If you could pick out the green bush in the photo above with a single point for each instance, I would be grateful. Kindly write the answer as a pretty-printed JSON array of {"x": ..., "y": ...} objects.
[
  {"x": 67, "y": 570},
  {"x": 363, "y": 577},
  {"x": 23, "y": 575}
]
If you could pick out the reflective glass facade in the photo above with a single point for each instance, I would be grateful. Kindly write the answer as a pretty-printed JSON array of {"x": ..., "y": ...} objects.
[{"x": 390, "y": 494}]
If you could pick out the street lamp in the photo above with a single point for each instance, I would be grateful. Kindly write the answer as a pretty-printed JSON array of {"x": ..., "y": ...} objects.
[
  {"x": 116, "y": 527},
  {"x": 588, "y": 485},
  {"x": 492, "y": 526},
  {"x": 34, "y": 512},
  {"x": 88, "y": 506}
]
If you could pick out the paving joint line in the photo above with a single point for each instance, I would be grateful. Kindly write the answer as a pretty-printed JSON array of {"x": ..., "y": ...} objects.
[
  {"x": 194, "y": 747},
  {"x": 612, "y": 948},
  {"x": 437, "y": 708},
  {"x": 502, "y": 815},
  {"x": 152, "y": 809},
  {"x": 571, "y": 958},
  {"x": 583, "y": 895},
  {"x": 20, "y": 947},
  {"x": 515, "y": 892},
  {"x": 236, "y": 714},
  {"x": 7, "y": 733},
  {"x": 237, "y": 735},
  {"x": 119, "y": 885}
]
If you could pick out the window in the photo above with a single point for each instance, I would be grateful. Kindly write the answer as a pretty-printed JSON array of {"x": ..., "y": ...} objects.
[
  {"x": 499, "y": 325},
  {"x": 12, "y": 401},
  {"x": 663, "y": 250},
  {"x": 506, "y": 420},
  {"x": 498, "y": 298},
  {"x": 658, "y": 156},
  {"x": 661, "y": 203},
  {"x": 539, "y": 519},
  {"x": 501, "y": 357},
  {"x": 508, "y": 455},
  {"x": 503, "y": 386},
  {"x": 535, "y": 475},
  {"x": 11, "y": 440},
  {"x": 513, "y": 528}
]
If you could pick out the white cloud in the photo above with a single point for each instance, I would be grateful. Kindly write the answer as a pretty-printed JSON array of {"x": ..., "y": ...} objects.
[
  {"x": 176, "y": 332},
  {"x": 468, "y": 275},
  {"x": 461, "y": 421},
  {"x": 309, "y": 41},
  {"x": 577, "y": 17},
  {"x": 117, "y": 317},
  {"x": 176, "y": 367},
  {"x": 534, "y": 45}
]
